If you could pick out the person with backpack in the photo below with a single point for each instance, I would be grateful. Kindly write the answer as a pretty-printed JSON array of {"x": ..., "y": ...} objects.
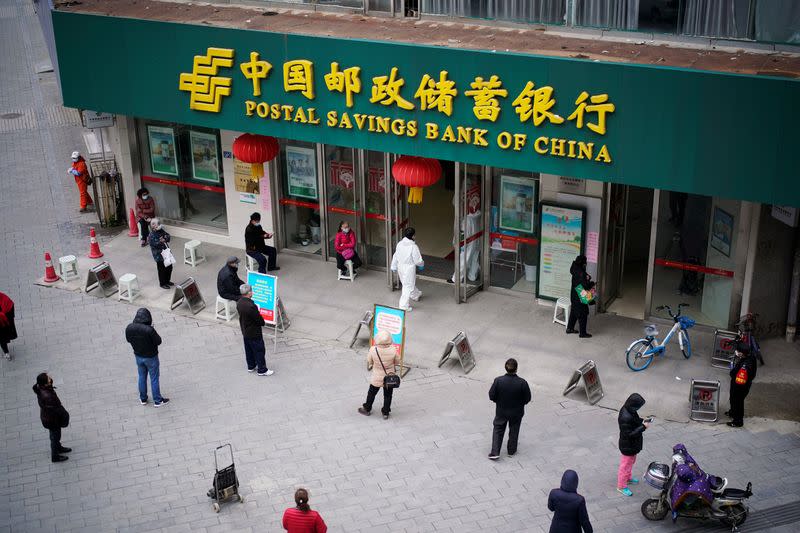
[{"x": 743, "y": 372}]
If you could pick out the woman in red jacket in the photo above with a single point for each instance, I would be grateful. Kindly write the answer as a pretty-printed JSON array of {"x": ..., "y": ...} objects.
[
  {"x": 302, "y": 519},
  {"x": 8, "y": 332},
  {"x": 345, "y": 245}
]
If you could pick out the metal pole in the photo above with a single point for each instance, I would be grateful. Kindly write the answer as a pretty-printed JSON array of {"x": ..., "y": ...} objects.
[
  {"x": 456, "y": 232},
  {"x": 794, "y": 292}
]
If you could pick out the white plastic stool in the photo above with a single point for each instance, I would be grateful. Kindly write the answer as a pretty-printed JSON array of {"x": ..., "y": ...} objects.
[
  {"x": 129, "y": 287},
  {"x": 68, "y": 267},
  {"x": 350, "y": 275},
  {"x": 564, "y": 304},
  {"x": 192, "y": 253},
  {"x": 224, "y": 309},
  {"x": 252, "y": 264}
]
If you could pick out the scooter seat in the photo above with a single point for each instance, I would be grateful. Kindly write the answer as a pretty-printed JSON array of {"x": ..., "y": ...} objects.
[{"x": 736, "y": 494}]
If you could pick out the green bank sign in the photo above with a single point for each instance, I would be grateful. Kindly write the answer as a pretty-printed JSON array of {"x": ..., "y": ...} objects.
[{"x": 701, "y": 132}]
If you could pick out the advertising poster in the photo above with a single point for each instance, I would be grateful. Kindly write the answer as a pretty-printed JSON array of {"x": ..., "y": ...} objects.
[
  {"x": 205, "y": 164},
  {"x": 518, "y": 198},
  {"x": 266, "y": 198},
  {"x": 393, "y": 320},
  {"x": 301, "y": 171},
  {"x": 243, "y": 179},
  {"x": 561, "y": 242},
  {"x": 162, "y": 150},
  {"x": 265, "y": 294},
  {"x": 722, "y": 231}
]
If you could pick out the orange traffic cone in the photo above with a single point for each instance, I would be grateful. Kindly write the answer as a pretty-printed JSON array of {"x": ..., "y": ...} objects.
[
  {"x": 133, "y": 230},
  {"x": 50, "y": 275},
  {"x": 94, "y": 248}
]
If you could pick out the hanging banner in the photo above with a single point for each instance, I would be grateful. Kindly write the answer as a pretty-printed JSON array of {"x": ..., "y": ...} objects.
[
  {"x": 265, "y": 290},
  {"x": 562, "y": 239}
]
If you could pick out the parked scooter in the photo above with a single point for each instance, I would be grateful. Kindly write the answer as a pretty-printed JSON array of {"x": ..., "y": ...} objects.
[{"x": 687, "y": 491}]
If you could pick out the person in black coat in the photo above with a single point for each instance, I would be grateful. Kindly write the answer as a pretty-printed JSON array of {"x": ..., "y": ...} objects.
[
  {"x": 579, "y": 311},
  {"x": 569, "y": 507},
  {"x": 256, "y": 248},
  {"x": 228, "y": 281},
  {"x": 511, "y": 394},
  {"x": 144, "y": 340},
  {"x": 251, "y": 322},
  {"x": 52, "y": 414},
  {"x": 743, "y": 372},
  {"x": 631, "y": 428}
]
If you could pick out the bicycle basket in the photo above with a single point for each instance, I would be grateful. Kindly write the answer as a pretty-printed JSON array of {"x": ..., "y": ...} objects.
[{"x": 686, "y": 322}]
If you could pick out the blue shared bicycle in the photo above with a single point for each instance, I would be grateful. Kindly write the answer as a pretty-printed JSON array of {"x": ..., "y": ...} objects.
[{"x": 642, "y": 352}]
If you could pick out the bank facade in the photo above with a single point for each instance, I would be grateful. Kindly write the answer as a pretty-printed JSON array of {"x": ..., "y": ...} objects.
[{"x": 675, "y": 186}]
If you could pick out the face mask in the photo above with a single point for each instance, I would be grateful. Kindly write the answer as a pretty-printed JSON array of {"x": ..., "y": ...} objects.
[
  {"x": 145, "y": 196},
  {"x": 346, "y": 230},
  {"x": 74, "y": 160}
]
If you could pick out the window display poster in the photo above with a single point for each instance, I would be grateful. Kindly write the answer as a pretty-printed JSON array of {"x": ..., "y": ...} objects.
[
  {"x": 266, "y": 198},
  {"x": 162, "y": 150},
  {"x": 265, "y": 290},
  {"x": 301, "y": 170},
  {"x": 517, "y": 201},
  {"x": 244, "y": 181},
  {"x": 205, "y": 162},
  {"x": 561, "y": 242},
  {"x": 722, "y": 231}
]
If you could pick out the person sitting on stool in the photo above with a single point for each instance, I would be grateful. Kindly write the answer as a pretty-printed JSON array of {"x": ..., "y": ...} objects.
[
  {"x": 228, "y": 281},
  {"x": 256, "y": 247},
  {"x": 345, "y": 244}
]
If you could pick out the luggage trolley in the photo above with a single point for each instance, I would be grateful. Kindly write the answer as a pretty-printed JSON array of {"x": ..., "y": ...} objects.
[{"x": 226, "y": 483}]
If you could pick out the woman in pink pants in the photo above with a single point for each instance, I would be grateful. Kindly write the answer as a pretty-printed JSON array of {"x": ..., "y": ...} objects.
[{"x": 631, "y": 428}]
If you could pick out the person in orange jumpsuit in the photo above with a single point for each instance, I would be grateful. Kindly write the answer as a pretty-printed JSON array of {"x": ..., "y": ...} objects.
[{"x": 80, "y": 172}]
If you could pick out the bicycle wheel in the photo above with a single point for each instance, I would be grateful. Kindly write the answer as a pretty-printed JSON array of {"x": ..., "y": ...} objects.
[
  {"x": 687, "y": 346},
  {"x": 635, "y": 356}
]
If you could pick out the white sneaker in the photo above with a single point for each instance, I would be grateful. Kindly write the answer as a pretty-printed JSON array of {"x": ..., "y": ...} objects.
[
  {"x": 267, "y": 373},
  {"x": 407, "y": 309}
]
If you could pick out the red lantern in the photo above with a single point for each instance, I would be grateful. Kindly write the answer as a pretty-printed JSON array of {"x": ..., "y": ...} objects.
[
  {"x": 416, "y": 173},
  {"x": 256, "y": 150}
]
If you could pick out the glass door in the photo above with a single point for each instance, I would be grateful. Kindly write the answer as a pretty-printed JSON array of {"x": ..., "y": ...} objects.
[
  {"x": 468, "y": 231},
  {"x": 396, "y": 198},
  {"x": 342, "y": 193},
  {"x": 374, "y": 221},
  {"x": 616, "y": 209}
]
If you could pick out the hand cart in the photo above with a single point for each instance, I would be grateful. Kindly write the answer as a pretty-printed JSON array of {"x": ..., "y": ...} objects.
[{"x": 226, "y": 483}]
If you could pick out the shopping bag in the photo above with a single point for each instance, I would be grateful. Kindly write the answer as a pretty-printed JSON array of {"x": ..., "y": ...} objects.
[
  {"x": 169, "y": 259},
  {"x": 586, "y": 296}
]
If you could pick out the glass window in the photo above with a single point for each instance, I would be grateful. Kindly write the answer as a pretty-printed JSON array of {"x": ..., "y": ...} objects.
[
  {"x": 299, "y": 201},
  {"x": 340, "y": 176},
  {"x": 694, "y": 259},
  {"x": 182, "y": 169},
  {"x": 514, "y": 231},
  {"x": 777, "y": 21},
  {"x": 375, "y": 238},
  {"x": 544, "y": 11},
  {"x": 727, "y": 19},
  {"x": 611, "y": 14}
]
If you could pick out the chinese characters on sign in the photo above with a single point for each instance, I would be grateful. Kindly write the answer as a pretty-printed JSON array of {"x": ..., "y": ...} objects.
[{"x": 211, "y": 80}]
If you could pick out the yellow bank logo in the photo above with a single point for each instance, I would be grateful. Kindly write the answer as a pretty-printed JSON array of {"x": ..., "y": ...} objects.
[{"x": 203, "y": 84}]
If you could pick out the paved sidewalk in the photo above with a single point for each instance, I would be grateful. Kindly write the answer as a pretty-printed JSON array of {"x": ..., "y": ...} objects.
[{"x": 139, "y": 469}]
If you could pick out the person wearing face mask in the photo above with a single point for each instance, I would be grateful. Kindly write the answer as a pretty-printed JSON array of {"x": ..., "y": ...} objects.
[
  {"x": 145, "y": 209},
  {"x": 159, "y": 241},
  {"x": 405, "y": 261},
  {"x": 80, "y": 172},
  {"x": 257, "y": 248},
  {"x": 228, "y": 281},
  {"x": 345, "y": 245}
]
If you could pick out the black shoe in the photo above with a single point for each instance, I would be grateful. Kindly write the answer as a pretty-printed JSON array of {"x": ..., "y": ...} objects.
[
  {"x": 165, "y": 286},
  {"x": 735, "y": 425},
  {"x": 449, "y": 280},
  {"x": 64, "y": 449},
  {"x": 512, "y": 454},
  {"x": 273, "y": 268},
  {"x": 585, "y": 335},
  {"x": 494, "y": 457},
  {"x": 170, "y": 284},
  {"x": 571, "y": 331},
  {"x": 163, "y": 401},
  {"x": 59, "y": 458},
  {"x": 385, "y": 416},
  {"x": 364, "y": 411}
]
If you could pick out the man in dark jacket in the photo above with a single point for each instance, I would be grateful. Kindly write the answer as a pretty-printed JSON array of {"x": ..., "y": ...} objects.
[
  {"x": 743, "y": 372},
  {"x": 631, "y": 427},
  {"x": 145, "y": 341},
  {"x": 579, "y": 311},
  {"x": 511, "y": 394},
  {"x": 251, "y": 322},
  {"x": 53, "y": 415},
  {"x": 569, "y": 507},
  {"x": 228, "y": 281},
  {"x": 256, "y": 247}
]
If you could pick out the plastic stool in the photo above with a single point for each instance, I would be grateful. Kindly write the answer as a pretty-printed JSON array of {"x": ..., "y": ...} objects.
[
  {"x": 192, "y": 254},
  {"x": 68, "y": 267},
  {"x": 252, "y": 264},
  {"x": 224, "y": 309},
  {"x": 565, "y": 304},
  {"x": 350, "y": 275},
  {"x": 129, "y": 287}
]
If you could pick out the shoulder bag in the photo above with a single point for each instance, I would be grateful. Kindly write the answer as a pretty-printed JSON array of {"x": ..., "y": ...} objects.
[
  {"x": 390, "y": 381},
  {"x": 166, "y": 254}
]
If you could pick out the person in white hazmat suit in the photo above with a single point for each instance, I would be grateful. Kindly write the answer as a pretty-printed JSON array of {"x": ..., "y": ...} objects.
[{"x": 405, "y": 261}]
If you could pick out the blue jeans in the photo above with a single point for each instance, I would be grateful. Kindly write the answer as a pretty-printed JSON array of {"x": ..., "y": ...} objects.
[
  {"x": 255, "y": 354},
  {"x": 148, "y": 365}
]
